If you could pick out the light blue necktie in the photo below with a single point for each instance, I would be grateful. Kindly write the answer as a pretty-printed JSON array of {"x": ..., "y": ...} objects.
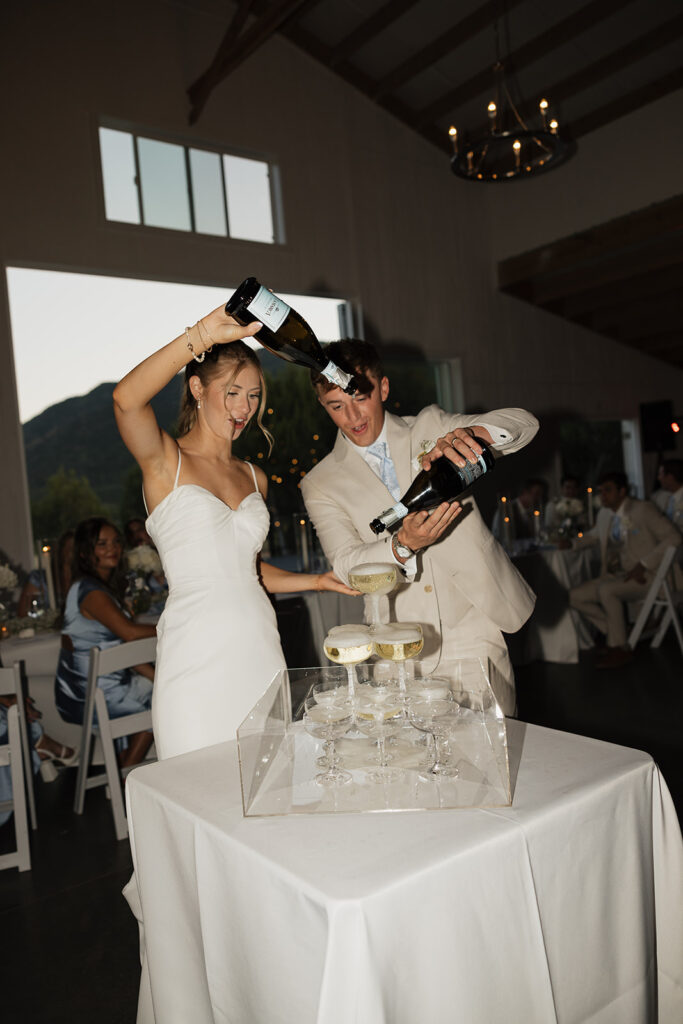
[
  {"x": 615, "y": 532},
  {"x": 387, "y": 473}
]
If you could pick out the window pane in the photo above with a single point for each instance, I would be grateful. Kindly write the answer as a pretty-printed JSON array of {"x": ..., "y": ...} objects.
[
  {"x": 165, "y": 201},
  {"x": 118, "y": 176},
  {"x": 248, "y": 187},
  {"x": 207, "y": 192}
]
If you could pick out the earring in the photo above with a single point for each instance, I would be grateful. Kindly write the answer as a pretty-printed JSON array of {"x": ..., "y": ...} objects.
[{"x": 199, "y": 403}]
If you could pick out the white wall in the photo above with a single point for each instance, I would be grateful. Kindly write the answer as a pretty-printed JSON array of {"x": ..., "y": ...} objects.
[{"x": 372, "y": 211}]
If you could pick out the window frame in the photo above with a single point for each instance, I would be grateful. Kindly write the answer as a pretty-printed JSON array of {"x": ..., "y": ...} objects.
[{"x": 137, "y": 132}]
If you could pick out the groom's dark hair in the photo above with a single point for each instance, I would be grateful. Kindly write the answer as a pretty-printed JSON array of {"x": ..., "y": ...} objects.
[{"x": 352, "y": 355}]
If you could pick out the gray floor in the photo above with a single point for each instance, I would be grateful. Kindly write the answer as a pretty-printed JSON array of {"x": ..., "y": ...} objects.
[{"x": 69, "y": 942}]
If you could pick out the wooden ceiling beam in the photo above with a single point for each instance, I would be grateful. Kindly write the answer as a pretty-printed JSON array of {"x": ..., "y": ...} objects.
[
  {"x": 605, "y": 67},
  {"x": 378, "y": 22},
  {"x": 452, "y": 39},
  {"x": 557, "y": 35},
  {"x": 627, "y": 104},
  {"x": 236, "y": 47},
  {"x": 639, "y": 312},
  {"x": 645, "y": 286}
]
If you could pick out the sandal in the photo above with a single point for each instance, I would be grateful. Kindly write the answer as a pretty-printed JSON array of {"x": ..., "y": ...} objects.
[{"x": 64, "y": 757}]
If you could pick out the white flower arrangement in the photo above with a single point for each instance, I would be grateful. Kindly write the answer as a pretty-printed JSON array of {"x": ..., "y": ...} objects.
[
  {"x": 8, "y": 578},
  {"x": 143, "y": 559},
  {"x": 568, "y": 508}
]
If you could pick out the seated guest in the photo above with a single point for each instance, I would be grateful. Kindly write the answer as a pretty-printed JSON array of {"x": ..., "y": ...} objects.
[
  {"x": 33, "y": 597},
  {"x": 521, "y": 510},
  {"x": 669, "y": 497},
  {"x": 136, "y": 534},
  {"x": 568, "y": 506},
  {"x": 633, "y": 536},
  {"x": 46, "y": 751},
  {"x": 94, "y": 617}
]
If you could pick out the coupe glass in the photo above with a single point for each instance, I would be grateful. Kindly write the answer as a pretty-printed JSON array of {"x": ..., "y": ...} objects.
[
  {"x": 348, "y": 646},
  {"x": 329, "y": 722},
  {"x": 374, "y": 579},
  {"x": 423, "y": 690},
  {"x": 328, "y": 691},
  {"x": 398, "y": 641},
  {"x": 439, "y": 718},
  {"x": 380, "y": 719}
]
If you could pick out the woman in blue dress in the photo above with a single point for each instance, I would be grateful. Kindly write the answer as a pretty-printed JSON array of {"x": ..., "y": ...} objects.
[{"x": 94, "y": 617}]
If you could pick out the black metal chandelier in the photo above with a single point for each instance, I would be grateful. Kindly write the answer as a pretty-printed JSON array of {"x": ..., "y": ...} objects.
[{"x": 511, "y": 148}]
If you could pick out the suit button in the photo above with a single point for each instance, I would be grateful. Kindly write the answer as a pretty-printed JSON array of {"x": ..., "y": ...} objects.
[{"x": 428, "y": 588}]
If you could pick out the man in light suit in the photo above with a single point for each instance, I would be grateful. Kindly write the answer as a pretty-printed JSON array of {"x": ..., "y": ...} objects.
[
  {"x": 669, "y": 497},
  {"x": 633, "y": 536},
  {"x": 463, "y": 589}
]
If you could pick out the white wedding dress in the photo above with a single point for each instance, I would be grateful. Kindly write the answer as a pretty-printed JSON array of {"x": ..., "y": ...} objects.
[{"x": 219, "y": 646}]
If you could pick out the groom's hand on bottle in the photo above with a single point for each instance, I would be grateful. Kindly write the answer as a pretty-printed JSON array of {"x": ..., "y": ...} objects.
[
  {"x": 458, "y": 446},
  {"x": 420, "y": 529}
]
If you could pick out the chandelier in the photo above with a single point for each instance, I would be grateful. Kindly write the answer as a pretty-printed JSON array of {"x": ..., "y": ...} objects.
[{"x": 511, "y": 148}]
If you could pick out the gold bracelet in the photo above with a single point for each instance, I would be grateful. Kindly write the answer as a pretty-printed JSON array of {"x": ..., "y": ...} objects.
[
  {"x": 197, "y": 358},
  {"x": 200, "y": 324}
]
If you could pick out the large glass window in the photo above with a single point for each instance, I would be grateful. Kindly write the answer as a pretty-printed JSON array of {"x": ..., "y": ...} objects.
[{"x": 187, "y": 188}]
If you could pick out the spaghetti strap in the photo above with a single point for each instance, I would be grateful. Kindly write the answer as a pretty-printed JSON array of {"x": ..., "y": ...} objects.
[{"x": 253, "y": 473}]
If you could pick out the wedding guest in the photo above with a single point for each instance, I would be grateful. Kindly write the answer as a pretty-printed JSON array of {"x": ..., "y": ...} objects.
[
  {"x": 136, "y": 534},
  {"x": 633, "y": 536},
  {"x": 65, "y": 550},
  {"x": 567, "y": 506},
  {"x": 45, "y": 751},
  {"x": 94, "y": 617},
  {"x": 33, "y": 596},
  {"x": 669, "y": 497}
]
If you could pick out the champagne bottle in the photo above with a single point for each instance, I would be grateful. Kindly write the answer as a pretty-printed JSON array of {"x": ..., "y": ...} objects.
[
  {"x": 284, "y": 333},
  {"x": 443, "y": 481}
]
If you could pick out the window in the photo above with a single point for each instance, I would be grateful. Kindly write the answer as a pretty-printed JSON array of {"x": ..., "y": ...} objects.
[{"x": 166, "y": 184}]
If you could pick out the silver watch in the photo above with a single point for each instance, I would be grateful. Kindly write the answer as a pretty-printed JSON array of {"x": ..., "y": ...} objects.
[{"x": 400, "y": 549}]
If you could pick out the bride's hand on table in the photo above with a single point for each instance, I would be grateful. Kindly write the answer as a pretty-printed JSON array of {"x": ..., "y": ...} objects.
[{"x": 328, "y": 581}]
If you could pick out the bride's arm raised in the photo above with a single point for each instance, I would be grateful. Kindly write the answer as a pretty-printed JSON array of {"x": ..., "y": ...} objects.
[{"x": 146, "y": 441}]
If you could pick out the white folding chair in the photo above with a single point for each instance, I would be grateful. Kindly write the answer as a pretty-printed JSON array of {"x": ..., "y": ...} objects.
[
  {"x": 102, "y": 663},
  {"x": 661, "y": 595},
  {"x": 13, "y": 753}
]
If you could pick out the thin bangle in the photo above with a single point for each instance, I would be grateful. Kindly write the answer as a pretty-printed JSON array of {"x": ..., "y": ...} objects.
[
  {"x": 319, "y": 581},
  {"x": 197, "y": 358},
  {"x": 201, "y": 324}
]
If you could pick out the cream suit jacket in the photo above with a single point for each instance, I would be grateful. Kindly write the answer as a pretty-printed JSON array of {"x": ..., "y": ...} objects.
[
  {"x": 342, "y": 495},
  {"x": 646, "y": 532}
]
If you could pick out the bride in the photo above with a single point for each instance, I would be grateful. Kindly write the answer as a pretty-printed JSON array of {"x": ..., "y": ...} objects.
[{"x": 218, "y": 642}]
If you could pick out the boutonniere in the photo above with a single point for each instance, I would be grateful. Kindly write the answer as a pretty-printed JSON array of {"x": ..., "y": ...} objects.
[
  {"x": 626, "y": 524},
  {"x": 425, "y": 446}
]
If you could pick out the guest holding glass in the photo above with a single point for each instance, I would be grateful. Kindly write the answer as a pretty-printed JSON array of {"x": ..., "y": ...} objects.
[{"x": 94, "y": 617}]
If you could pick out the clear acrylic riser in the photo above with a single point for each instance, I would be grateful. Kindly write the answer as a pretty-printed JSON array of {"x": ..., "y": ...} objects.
[{"x": 278, "y": 758}]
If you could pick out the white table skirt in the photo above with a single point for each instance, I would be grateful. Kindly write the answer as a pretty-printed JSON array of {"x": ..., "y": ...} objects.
[
  {"x": 563, "y": 908},
  {"x": 555, "y": 632},
  {"x": 40, "y": 653}
]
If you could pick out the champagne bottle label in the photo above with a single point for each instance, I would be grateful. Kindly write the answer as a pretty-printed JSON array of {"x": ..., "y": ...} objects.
[
  {"x": 471, "y": 471},
  {"x": 269, "y": 309},
  {"x": 336, "y": 376}
]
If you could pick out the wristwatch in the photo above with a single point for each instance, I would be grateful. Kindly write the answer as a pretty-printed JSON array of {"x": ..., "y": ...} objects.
[{"x": 400, "y": 549}]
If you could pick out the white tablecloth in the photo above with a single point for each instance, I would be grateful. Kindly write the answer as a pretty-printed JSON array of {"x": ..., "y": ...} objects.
[
  {"x": 554, "y": 632},
  {"x": 548, "y": 911},
  {"x": 40, "y": 654}
]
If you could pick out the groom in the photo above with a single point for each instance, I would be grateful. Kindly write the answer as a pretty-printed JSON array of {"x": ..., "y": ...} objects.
[{"x": 462, "y": 588}]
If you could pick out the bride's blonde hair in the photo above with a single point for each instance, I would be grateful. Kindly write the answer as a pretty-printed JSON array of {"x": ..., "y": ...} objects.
[{"x": 218, "y": 359}]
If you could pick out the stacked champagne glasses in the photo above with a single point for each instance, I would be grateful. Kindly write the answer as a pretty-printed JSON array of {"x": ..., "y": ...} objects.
[
  {"x": 380, "y": 714},
  {"x": 328, "y": 716},
  {"x": 397, "y": 642},
  {"x": 438, "y": 717},
  {"x": 349, "y": 646},
  {"x": 374, "y": 579}
]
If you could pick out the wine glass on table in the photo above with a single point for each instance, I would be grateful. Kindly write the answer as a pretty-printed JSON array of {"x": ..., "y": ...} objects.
[
  {"x": 348, "y": 646},
  {"x": 380, "y": 719},
  {"x": 397, "y": 642},
  {"x": 331, "y": 688},
  {"x": 329, "y": 722},
  {"x": 374, "y": 579},
  {"x": 439, "y": 718}
]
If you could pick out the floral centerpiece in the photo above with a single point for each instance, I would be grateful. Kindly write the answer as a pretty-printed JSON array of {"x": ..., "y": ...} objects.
[
  {"x": 568, "y": 517},
  {"x": 144, "y": 572},
  {"x": 8, "y": 584}
]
